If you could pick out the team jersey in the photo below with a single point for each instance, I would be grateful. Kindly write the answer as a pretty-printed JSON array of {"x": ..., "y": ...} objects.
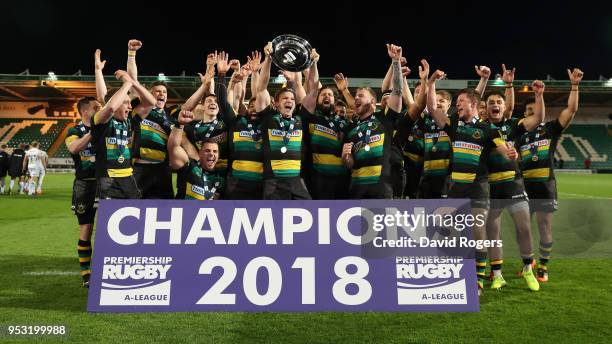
[
  {"x": 372, "y": 138},
  {"x": 502, "y": 170},
  {"x": 151, "y": 134},
  {"x": 193, "y": 182},
  {"x": 436, "y": 147},
  {"x": 16, "y": 163},
  {"x": 4, "y": 160},
  {"x": 471, "y": 142},
  {"x": 85, "y": 160},
  {"x": 282, "y": 144},
  {"x": 246, "y": 151},
  {"x": 537, "y": 149},
  {"x": 34, "y": 157},
  {"x": 325, "y": 140},
  {"x": 216, "y": 130},
  {"x": 112, "y": 142}
]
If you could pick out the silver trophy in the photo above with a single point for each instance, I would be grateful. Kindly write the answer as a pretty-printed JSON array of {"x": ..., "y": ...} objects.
[{"x": 291, "y": 53}]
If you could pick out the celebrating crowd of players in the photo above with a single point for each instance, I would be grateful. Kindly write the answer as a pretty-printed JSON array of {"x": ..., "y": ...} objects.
[
  {"x": 304, "y": 143},
  {"x": 26, "y": 165}
]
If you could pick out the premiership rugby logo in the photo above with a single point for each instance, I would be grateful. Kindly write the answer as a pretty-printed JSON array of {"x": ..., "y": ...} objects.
[
  {"x": 146, "y": 277},
  {"x": 430, "y": 281}
]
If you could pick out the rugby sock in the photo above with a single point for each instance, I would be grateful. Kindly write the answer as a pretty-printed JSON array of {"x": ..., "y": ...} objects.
[
  {"x": 31, "y": 188},
  {"x": 40, "y": 181},
  {"x": 11, "y": 184},
  {"x": 527, "y": 260},
  {"x": 545, "y": 250},
  {"x": 21, "y": 185},
  {"x": 481, "y": 265},
  {"x": 496, "y": 266},
  {"x": 84, "y": 251}
]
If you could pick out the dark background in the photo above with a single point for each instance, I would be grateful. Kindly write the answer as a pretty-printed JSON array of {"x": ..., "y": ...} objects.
[{"x": 538, "y": 39}]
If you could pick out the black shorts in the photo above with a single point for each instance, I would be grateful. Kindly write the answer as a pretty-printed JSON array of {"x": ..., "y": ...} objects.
[
  {"x": 542, "y": 196},
  {"x": 118, "y": 188},
  {"x": 15, "y": 172},
  {"x": 507, "y": 193},
  {"x": 433, "y": 187},
  {"x": 329, "y": 187},
  {"x": 83, "y": 200},
  {"x": 243, "y": 189},
  {"x": 477, "y": 192},
  {"x": 285, "y": 189},
  {"x": 154, "y": 180},
  {"x": 3, "y": 172},
  {"x": 380, "y": 190},
  {"x": 413, "y": 177}
]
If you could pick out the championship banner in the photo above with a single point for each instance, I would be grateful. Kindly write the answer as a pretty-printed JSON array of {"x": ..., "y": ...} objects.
[{"x": 354, "y": 255}]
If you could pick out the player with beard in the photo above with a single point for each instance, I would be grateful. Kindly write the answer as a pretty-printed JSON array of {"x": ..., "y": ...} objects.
[
  {"x": 369, "y": 140},
  {"x": 328, "y": 177},
  {"x": 537, "y": 149}
]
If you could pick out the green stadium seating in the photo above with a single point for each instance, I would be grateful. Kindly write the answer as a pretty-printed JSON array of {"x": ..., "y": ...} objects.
[{"x": 580, "y": 140}]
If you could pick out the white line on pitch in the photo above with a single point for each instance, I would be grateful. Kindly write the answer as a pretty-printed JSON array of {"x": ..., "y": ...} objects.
[
  {"x": 583, "y": 195},
  {"x": 51, "y": 273}
]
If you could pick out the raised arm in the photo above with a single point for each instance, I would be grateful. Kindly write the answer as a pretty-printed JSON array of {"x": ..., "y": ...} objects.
[
  {"x": 178, "y": 156},
  {"x": 223, "y": 66},
  {"x": 310, "y": 101},
  {"x": 263, "y": 97},
  {"x": 567, "y": 115},
  {"x": 395, "y": 99},
  {"x": 508, "y": 77},
  {"x": 484, "y": 72},
  {"x": 254, "y": 61},
  {"x": 192, "y": 102},
  {"x": 533, "y": 121},
  {"x": 416, "y": 108},
  {"x": 101, "y": 90},
  {"x": 438, "y": 115},
  {"x": 343, "y": 87},
  {"x": 294, "y": 81},
  {"x": 116, "y": 100},
  {"x": 132, "y": 69}
]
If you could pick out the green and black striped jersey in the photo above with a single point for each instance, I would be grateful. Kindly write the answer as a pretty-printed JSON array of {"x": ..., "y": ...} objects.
[
  {"x": 471, "y": 143},
  {"x": 282, "y": 144},
  {"x": 325, "y": 138},
  {"x": 193, "y": 182},
  {"x": 151, "y": 134},
  {"x": 112, "y": 143},
  {"x": 500, "y": 169},
  {"x": 537, "y": 149},
  {"x": 85, "y": 160},
  {"x": 372, "y": 138}
]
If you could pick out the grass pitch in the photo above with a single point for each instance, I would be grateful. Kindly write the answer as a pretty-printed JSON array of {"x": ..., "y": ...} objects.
[{"x": 40, "y": 285}]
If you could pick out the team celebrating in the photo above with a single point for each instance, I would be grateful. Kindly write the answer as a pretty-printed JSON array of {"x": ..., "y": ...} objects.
[{"x": 304, "y": 143}]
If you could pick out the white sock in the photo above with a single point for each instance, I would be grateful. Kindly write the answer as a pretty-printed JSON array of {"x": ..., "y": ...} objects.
[
  {"x": 11, "y": 184},
  {"x": 40, "y": 181},
  {"x": 21, "y": 185},
  {"x": 497, "y": 273},
  {"x": 527, "y": 267},
  {"x": 31, "y": 188}
]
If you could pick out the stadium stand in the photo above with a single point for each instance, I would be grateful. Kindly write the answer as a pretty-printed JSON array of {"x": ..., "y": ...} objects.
[{"x": 580, "y": 141}]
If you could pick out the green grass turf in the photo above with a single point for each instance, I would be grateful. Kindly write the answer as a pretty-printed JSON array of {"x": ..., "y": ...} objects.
[{"x": 40, "y": 235}]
